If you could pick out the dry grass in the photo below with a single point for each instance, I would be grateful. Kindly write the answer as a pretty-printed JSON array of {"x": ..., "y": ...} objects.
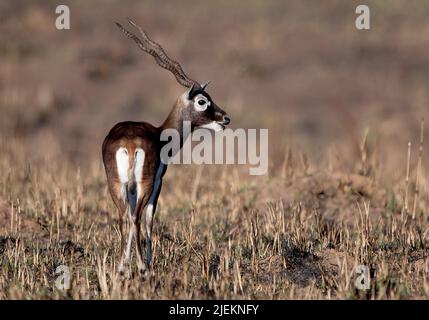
[
  {"x": 230, "y": 242},
  {"x": 343, "y": 188}
]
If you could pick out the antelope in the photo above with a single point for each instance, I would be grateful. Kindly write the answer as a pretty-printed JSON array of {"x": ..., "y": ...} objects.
[{"x": 131, "y": 152}]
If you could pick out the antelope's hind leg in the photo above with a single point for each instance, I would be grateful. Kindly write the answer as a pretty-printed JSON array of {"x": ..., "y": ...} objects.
[
  {"x": 116, "y": 190},
  {"x": 150, "y": 211},
  {"x": 136, "y": 227},
  {"x": 125, "y": 251},
  {"x": 141, "y": 196}
]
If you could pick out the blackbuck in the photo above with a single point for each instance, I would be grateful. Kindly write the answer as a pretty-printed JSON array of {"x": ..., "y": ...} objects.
[{"x": 131, "y": 152}]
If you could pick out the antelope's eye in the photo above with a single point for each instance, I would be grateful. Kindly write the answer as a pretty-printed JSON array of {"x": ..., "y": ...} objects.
[{"x": 201, "y": 103}]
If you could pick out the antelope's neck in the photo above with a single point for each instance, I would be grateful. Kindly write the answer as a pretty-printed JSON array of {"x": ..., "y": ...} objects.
[{"x": 175, "y": 122}]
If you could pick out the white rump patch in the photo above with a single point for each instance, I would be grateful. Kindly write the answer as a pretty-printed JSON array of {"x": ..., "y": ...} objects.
[
  {"x": 204, "y": 100},
  {"x": 122, "y": 163},
  {"x": 138, "y": 169},
  {"x": 213, "y": 126},
  {"x": 139, "y": 162}
]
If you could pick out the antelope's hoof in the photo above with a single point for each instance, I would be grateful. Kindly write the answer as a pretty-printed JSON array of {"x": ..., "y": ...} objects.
[
  {"x": 144, "y": 273},
  {"x": 125, "y": 275}
]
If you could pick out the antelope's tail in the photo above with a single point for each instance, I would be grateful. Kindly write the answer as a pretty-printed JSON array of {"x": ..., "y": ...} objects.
[{"x": 131, "y": 188}]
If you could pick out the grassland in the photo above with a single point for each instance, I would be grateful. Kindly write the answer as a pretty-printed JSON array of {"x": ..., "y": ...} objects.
[
  {"x": 216, "y": 235},
  {"x": 343, "y": 187}
]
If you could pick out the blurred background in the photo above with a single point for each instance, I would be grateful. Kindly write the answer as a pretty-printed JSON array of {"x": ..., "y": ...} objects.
[{"x": 299, "y": 68}]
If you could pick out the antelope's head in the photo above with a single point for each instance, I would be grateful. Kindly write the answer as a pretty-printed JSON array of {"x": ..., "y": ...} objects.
[
  {"x": 202, "y": 111},
  {"x": 195, "y": 105}
]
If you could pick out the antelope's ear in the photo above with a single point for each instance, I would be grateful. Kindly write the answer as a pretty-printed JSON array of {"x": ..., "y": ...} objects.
[
  {"x": 204, "y": 85},
  {"x": 192, "y": 91}
]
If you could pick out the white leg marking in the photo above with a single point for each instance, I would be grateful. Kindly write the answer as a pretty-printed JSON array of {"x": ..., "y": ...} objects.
[
  {"x": 150, "y": 211},
  {"x": 149, "y": 216},
  {"x": 126, "y": 257},
  {"x": 130, "y": 240}
]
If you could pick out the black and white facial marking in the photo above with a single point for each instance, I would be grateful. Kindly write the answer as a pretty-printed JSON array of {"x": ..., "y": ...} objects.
[
  {"x": 201, "y": 103},
  {"x": 203, "y": 111}
]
